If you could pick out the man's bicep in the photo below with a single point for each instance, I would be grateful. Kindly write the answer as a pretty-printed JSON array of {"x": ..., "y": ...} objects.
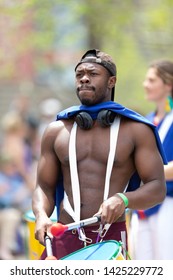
[{"x": 48, "y": 167}]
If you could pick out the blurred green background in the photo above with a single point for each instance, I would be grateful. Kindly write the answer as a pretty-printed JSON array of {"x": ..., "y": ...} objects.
[{"x": 42, "y": 40}]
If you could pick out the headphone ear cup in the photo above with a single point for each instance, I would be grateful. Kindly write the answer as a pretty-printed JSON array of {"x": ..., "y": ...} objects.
[
  {"x": 105, "y": 117},
  {"x": 84, "y": 120}
]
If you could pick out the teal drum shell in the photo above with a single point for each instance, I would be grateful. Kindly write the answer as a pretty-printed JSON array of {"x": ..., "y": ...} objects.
[{"x": 106, "y": 250}]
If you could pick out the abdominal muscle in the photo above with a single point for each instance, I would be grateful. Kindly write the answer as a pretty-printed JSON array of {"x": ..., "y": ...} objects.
[{"x": 91, "y": 190}]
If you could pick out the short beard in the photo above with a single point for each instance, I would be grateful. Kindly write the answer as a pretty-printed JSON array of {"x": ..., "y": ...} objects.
[{"x": 86, "y": 102}]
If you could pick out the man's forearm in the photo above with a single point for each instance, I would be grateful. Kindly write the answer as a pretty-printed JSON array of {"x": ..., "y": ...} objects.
[
  {"x": 147, "y": 196},
  {"x": 42, "y": 204}
]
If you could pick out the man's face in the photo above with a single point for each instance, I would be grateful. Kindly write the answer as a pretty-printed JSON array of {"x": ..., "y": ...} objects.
[{"x": 92, "y": 83}]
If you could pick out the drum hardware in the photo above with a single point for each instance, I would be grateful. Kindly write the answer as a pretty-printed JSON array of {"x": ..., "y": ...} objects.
[
  {"x": 102, "y": 230},
  {"x": 83, "y": 237},
  {"x": 48, "y": 246}
]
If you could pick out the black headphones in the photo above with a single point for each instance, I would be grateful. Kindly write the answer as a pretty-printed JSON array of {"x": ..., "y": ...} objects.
[{"x": 104, "y": 117}]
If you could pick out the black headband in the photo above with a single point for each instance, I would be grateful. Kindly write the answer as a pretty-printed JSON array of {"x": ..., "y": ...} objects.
[{"x": 93, "y": 57}]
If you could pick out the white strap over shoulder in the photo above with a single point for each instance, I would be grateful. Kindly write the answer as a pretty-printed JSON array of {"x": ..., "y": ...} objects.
[
  {"x": 113, "y": 144},
  {"x": 75, "y": 213},
  {"x": 74, "y": 172}
]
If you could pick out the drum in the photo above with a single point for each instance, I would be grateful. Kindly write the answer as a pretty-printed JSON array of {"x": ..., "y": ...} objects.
[
  {"x": 33, "y": 247},
  {"x": 106, "y": 250}
]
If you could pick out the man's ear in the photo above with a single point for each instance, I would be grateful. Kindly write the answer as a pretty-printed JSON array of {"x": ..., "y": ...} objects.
[{"x": 112, "y": 82}]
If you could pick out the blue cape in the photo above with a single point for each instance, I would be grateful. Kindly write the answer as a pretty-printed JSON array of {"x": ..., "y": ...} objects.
[
  {"x": 167, "y": 145},
  {"x": 121, "y": 110}
]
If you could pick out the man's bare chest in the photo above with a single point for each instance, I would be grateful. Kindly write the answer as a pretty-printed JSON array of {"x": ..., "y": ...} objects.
[{"x": 94, "y": 144}]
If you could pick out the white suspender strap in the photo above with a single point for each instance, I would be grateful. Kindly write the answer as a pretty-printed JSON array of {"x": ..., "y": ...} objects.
[
  {"x": 74, "y": 174},
  {"x": 113, "y": 143}
]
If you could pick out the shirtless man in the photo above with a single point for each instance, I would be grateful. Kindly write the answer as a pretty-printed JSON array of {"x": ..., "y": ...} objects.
[{"x": 137, "y": 150}]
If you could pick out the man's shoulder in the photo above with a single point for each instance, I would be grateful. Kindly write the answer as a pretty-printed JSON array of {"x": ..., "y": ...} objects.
[
  {"x": 52, "y": 130},
  {"x": 56, "y": 126},
  {"x": 136, "y": 127}
]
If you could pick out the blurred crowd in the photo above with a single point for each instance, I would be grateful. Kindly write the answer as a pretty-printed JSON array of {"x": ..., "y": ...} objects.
[{"x": 20, "y": 137}]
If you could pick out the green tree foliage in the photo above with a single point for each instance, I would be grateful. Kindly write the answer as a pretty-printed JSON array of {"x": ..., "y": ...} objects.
[
  {"x": 26, "y": 26},
  {"x": 134, "y": 32}
]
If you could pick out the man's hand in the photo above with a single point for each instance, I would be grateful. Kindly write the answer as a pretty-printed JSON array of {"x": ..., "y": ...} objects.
[
  {"x": 43, "y": 226},
  {"x": 111, "y": 209}
]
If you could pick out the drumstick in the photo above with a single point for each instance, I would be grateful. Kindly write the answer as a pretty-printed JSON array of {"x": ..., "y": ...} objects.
[
  {"x": 48, "y": 246},
  {"x": 58, "y": 229}
]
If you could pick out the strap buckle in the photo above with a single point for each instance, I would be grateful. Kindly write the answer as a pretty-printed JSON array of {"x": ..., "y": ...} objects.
[{"x": 83, "y": 237}]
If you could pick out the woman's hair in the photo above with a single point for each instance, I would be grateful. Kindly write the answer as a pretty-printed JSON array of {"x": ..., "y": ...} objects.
[{"x": 164, "y": 70}]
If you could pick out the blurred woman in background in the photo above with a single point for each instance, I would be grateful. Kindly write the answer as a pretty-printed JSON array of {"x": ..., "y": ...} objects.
[{"x": 151, "y": 230}]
